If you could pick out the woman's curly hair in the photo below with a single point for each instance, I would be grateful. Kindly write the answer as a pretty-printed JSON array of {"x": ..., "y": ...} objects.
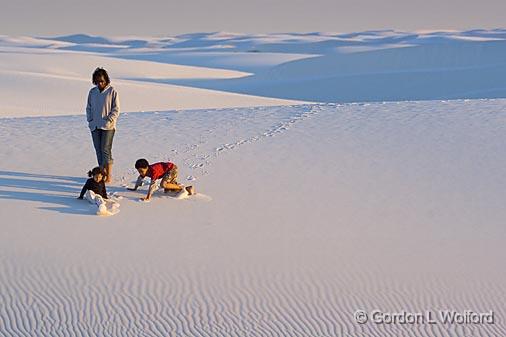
[{"x": 100, "y": 72}]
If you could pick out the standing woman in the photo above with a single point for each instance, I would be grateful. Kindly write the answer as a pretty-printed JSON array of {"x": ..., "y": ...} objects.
[{"x": 102, "y": 111}]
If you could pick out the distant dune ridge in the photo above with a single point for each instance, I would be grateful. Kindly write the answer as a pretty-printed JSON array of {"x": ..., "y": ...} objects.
[
  {"x": 307, "y": 213},
  {"x": 282, "y": 68}
]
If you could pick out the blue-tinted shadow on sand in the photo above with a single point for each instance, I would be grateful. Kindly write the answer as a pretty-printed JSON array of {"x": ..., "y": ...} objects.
[{"x": 58, "y": 192}]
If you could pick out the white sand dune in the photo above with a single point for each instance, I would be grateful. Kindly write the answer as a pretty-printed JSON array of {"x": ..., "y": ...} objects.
[
  {"x": 39, "y": 81},
  {"x": 390, "y": 71},
  {"x": 357, "y": 67},
  {"x": 316, "y": 211},
  {"x": 383, "y": 65}
]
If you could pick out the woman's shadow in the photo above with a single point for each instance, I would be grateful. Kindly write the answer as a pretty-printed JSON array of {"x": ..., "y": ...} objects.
[{"x": 60, "y": 192}]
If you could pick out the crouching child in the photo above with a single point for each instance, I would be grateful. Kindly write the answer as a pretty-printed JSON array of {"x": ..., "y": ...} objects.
[{"x": 166, "y": 171}]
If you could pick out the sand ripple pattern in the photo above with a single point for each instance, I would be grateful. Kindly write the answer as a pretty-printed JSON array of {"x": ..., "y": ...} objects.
[{"x": 71, "y": 301}]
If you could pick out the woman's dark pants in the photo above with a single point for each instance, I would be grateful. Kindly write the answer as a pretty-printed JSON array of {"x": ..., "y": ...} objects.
[{"x": 102, "y": 141}]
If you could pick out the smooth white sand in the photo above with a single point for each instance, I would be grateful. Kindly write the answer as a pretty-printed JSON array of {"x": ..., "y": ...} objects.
[
  {"x": 52, "y": 82},
  {"x": 305, "y": 213},
  {"x": 310, "y": 213}
]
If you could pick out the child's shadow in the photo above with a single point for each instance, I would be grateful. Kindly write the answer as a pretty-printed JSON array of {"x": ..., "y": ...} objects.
[{"x": 46, "y": 189}]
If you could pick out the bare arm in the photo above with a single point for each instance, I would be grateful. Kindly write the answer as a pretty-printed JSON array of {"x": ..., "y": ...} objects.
[
  {"x": 137, "y": 184},
  {"x": 152, "y": 188}
]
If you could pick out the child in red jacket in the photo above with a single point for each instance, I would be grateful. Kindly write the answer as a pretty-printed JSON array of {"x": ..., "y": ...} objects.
[{"x": 166, "y": 171}]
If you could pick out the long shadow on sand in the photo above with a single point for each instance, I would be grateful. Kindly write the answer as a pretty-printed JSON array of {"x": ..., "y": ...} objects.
[{"x": 59, "y": 192}]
